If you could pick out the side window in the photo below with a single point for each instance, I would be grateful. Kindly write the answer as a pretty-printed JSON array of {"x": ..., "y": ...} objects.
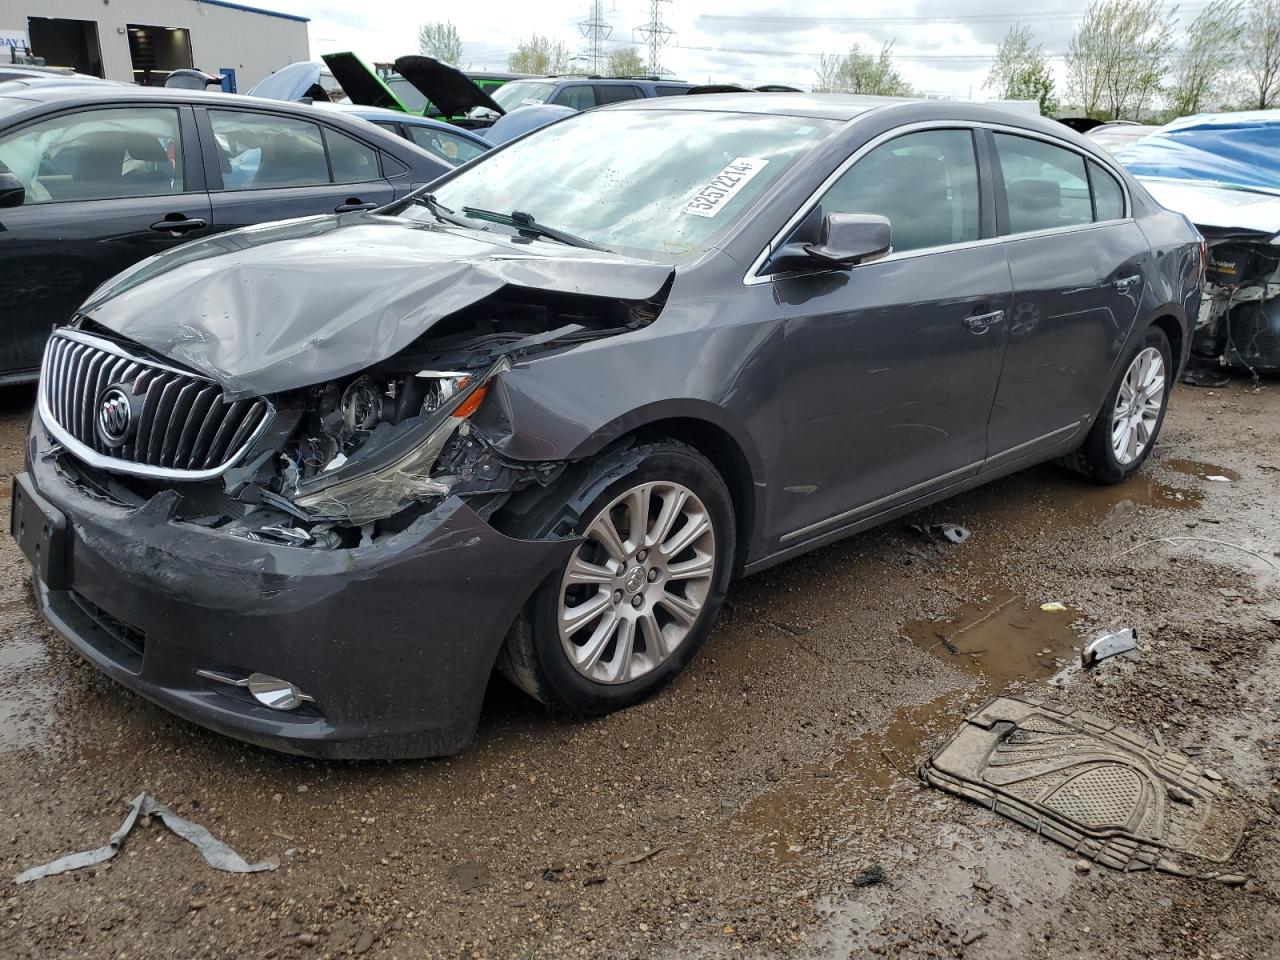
[
  {"x": 662, "y": 90},
  {"x": 580, "y": 96},
  {"x": 926, "y": 184},
  {"x": 351, "y": 160},
  {"x": 616, "y": 92},
  {"x": 1045, "y": 185},
  {"x": 453, "y": 150},
  {"x": 97, "y": 155},
  {"x": 1108, "y": 199},
  {"x": 257, "y": 151}
]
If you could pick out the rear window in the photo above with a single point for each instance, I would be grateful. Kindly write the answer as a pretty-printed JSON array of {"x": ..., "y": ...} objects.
[
  {"x": 520, "y": 93},
  {"x": 662, "y": 90}
]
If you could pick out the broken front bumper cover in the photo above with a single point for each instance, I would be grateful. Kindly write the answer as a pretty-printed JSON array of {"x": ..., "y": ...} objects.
[{"x": 394, "y": 641}]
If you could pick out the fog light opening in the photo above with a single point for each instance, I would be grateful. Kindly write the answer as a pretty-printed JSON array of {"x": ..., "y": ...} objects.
[{"x": 269, "y": 691}]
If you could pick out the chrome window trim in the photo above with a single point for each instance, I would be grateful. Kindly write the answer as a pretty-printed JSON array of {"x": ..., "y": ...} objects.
[
  {"x": 753, "y": 275},
  {"x": 96, "y": 459}
]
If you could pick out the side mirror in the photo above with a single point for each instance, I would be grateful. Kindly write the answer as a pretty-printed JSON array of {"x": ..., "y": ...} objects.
[
  {"x": 847, "y": 240},
  {"x": 12, "y": 191}
]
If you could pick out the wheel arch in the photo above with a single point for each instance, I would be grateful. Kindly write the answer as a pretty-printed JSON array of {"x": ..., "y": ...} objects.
[{"x": 704, "y": 427}]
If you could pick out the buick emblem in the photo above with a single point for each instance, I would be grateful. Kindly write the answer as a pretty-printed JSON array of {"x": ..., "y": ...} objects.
[{"x": 115, "y": 416}]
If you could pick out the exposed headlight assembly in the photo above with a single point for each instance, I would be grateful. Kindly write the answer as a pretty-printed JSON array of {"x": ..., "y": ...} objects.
[{"x": 387, "y": 479}]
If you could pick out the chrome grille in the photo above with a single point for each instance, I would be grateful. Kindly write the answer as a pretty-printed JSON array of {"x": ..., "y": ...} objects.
[{"x": 184, "y": 429}]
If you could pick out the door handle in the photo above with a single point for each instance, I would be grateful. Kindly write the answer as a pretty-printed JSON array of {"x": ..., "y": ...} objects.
[
  {"x": 353, "y": 204},
  {"x": 982, "y": 322},
  {"x": 1125, "y": 283},
  {"x": 179, "y": 224}
]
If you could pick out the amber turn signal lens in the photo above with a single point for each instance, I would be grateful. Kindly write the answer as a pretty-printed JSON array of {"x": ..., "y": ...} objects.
[{"x": 471, "y": 404}]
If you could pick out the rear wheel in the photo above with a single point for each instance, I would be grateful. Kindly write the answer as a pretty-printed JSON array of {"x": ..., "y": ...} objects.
[
  {"x": 1126, "y": 429},
  {"x": 637, "y": 598}
]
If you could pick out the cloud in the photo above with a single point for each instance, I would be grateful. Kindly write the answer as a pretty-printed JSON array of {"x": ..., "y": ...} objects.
[{"x": 765, "y": 41}]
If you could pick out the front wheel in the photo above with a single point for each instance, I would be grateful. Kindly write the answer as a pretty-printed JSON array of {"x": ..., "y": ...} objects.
[
  {"x": 638, "y": 596},
  {"x": 1126, "y": 429}
]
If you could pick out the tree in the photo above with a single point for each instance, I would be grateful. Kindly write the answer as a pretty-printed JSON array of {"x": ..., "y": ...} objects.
[
  {"x": 1119, "y": 56},
  {"x": 539, "y": 55},
  {"x": 625, "y": 62},
  {"x": 1201, "y": 69},
  {"x": 441, "y": 40},
  {"x": 1261, "y": 54},
  {"x": 1021, "y": 71},
  {"x": 858, "y": 72}
]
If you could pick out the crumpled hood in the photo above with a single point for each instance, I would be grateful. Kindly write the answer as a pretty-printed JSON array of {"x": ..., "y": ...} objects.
[
  {"x": 1217, "y": 210},
  {"x": 290, "y": 304}
]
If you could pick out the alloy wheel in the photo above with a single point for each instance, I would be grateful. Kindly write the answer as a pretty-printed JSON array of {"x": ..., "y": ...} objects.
[
  {"x": 1138, "y": 406},
  {"x": 635, "y": 588}
]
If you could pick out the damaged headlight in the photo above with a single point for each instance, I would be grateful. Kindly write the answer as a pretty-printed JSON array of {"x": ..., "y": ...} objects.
[{"x": 384, "y": 478}]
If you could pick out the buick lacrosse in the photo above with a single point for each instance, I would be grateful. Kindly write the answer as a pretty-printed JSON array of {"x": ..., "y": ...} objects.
[{"x": 310, "y": 483}]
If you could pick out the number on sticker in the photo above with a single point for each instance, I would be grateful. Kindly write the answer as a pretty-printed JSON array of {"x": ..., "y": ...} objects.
[{"x": 723, "y": 187}]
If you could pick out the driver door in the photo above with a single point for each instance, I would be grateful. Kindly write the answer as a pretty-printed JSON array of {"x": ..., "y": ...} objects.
[{"x": 891, "y": 367}]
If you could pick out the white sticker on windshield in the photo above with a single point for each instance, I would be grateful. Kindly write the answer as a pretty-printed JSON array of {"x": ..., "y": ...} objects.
[{"x": 724, "y": 186}]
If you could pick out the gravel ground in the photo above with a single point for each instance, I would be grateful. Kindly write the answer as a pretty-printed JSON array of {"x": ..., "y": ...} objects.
[{"x": 742, "y": 812}]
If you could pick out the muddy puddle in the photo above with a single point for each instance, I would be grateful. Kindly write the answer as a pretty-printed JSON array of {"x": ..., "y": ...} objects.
[
  {"x": 1202, "y": 471},
  {"x": 1001, "y": 638},
  {"x": 26, "y": 696},
  {"x": 1114, "y": 504},
  {"x": 846, "y": 802}
]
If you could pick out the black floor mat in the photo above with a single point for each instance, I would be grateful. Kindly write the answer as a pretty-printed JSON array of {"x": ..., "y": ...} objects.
[{"x": 1096, "y": 788}]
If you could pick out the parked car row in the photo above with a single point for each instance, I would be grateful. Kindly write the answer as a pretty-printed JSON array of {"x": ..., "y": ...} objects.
[
  {"x": 95, "y": 177},
  {"x": 310, "y": 483}
]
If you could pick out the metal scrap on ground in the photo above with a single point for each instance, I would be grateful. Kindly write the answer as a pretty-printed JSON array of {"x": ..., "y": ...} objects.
[
  {"x": 948, "y": 531},
  {"x": 1102, "y": 791},
  {"x": 1119, "y": 643},
  {"x": 216, "y": 853}
]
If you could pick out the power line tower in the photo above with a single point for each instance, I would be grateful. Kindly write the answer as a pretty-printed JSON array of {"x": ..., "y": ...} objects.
[
  {"x": 596, "y": 29},
  {"x": 657, "y": 35}
]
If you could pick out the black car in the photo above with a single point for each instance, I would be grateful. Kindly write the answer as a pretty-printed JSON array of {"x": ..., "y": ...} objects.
[
  {"x": 307, "y": 484},
  {"x": 95, "y": 177}
]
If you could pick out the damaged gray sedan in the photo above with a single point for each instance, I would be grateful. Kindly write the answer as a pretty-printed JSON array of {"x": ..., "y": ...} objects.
[{"x": 309, "y": 483}]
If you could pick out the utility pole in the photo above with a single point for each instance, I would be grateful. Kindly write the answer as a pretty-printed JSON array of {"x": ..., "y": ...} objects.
[
  {"x": 656, "y": 34},
  {"x": 596, "y": 29}
]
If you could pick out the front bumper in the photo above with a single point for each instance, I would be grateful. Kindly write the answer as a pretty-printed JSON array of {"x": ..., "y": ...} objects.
[{"x": 395, "y": 641}]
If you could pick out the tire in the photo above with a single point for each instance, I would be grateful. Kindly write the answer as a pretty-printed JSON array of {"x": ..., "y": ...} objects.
[
  {"x": 1098, "y": 456},
  {"x": 575, "y": 663}
]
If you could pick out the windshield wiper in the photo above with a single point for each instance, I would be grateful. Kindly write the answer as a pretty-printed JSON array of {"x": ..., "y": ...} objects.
[
  {"x": 440, "y": 211},
  {"x": 525, "y": 224}
]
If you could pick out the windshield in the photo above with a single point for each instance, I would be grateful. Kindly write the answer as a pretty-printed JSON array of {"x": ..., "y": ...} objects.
[
  {"x": 660, "y": 184},
  {"x": 1241, "y": 151},
  {"x": 519, "y": 93}
]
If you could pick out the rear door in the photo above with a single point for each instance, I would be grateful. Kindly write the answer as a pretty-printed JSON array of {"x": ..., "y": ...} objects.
[
  {"x": 1077, "y": 260},
  {"x": 105, "y": 188},
  {"x": 263, "y": 166}
]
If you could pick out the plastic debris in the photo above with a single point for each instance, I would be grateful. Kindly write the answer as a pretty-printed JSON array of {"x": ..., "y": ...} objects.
[
  {"x": 1120, "y": 643},
  {"x": 952, "y": 532},
  {"x": 216, "y": 853},
  {"x": 1053, "y": 606},
  {"x": 1219, "y": 479}
]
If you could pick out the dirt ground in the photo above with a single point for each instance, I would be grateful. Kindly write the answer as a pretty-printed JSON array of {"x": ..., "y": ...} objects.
[{"x": 736, "y": 814}]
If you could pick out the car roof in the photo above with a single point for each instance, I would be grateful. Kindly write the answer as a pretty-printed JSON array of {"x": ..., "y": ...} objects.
[
  {"x": 844, "y": 107},
  {"x": 397, "y": 116},
  {"x": 90, "y": 94},
  {"x": 99, "y": 92}
]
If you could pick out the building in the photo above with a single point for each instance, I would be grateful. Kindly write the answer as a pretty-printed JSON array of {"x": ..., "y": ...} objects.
[{"x": 141, "y": 41}]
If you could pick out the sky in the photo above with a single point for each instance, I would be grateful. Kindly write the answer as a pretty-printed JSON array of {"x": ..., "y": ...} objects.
[{"x": 942, "y": 49}]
